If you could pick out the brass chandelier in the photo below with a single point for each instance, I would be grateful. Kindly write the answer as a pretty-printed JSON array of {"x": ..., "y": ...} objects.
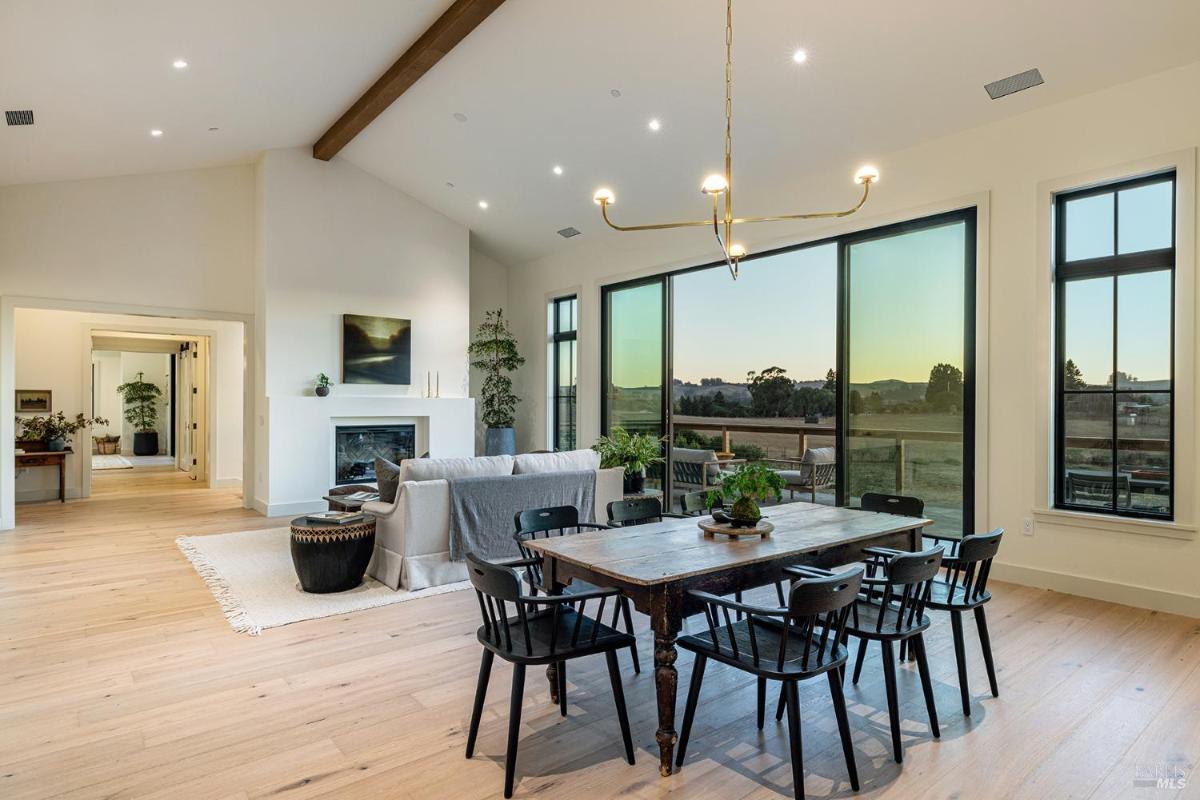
[{"x": 718, "y": 186}]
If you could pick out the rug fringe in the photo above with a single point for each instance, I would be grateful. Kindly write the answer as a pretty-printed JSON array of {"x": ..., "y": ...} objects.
[{"x": 237, "y": 616}]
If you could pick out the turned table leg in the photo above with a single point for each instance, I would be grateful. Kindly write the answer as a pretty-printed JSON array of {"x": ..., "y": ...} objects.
[
  {"x": 549, "y": 578},
  {"x": 666, "y": 619}
]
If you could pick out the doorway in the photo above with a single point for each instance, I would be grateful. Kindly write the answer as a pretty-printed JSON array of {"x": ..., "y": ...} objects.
[{"x": 152, "y": 390}]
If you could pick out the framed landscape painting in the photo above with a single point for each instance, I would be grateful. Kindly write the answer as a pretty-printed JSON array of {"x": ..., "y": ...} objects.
[
  {"x": 36, "y": 401},
  {"x": 376, "y": 350}
]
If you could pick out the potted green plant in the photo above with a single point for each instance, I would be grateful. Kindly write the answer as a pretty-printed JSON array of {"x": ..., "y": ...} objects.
[
  {"x": 634, "y": 452},
  {"x": 323, "y": 384},
  {"x": 141, "y": 411},
  {"x": 494, "y": 352},
  {"x": 749, "y": 485},
  {"x": 54, "y": 429}
]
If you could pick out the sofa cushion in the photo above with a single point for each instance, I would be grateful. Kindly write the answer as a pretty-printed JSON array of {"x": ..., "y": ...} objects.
[
  {"x": 569, "y": 461},
  {"x": 433, "y": 469},
  {"x": 819, "y": 455},
  {"x": 695, "y": 455},
  {"x": 387, "y": 476}
]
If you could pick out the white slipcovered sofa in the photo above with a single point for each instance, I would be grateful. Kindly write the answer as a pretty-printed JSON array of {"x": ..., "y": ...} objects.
[{"x": 412, "y": 535}]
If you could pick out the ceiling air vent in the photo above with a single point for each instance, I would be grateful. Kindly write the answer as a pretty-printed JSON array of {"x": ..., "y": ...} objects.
[
  {"x": 19, "y": 117},
  {"x": 1014, "y": 83},
  {"x": 567, "y": 233}
]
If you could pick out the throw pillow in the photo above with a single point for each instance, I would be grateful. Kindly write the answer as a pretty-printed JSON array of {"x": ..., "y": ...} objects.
[{"x": 387, "y": 476}]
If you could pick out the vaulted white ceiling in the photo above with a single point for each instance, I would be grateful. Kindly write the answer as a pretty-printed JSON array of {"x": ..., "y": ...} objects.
[{"x": 534, "y": 82}]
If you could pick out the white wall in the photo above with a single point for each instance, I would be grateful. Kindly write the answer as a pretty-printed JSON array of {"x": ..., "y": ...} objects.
[
  {"x": 176, "y": 239},
  {"x": 53, "y": 351},
  {"x": 106, "y": 372},
  {"x": 335, "y": 240},
  {"x": 489, "y": 291},
  {"x": 1006, "y": 161}
]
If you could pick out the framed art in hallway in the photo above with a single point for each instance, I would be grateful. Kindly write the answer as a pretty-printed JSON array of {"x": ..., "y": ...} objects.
[
  {"x": 33, "y": 401},
  {"x": 376, "y": 350}
]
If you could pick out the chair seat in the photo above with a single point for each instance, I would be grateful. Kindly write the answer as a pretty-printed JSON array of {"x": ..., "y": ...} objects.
[
  {"x": 944, "y": 597},
  {"x": 864, "y": 624},
  {"x": 767, "y": 639},
  {"x": 543, "y": 630}
]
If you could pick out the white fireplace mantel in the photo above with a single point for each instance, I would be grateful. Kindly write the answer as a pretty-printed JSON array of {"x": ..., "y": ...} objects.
[{"x": 301, "y": 457}]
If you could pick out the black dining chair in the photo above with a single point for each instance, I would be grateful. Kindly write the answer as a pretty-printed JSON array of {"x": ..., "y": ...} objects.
[
  {"x": 892, "y": 609},
  {"x": 964, "y": 588},
  {"x": 540, "y": 523},
  {"x": 639, "y": 511},
  {"x": 540, "y": 630},
  {"x": 804, "y": 640}
]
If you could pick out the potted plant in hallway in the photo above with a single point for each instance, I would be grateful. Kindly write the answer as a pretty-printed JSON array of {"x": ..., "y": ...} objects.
[
  {"x": 53, "y": 431},
  {"x": 494, "y": 352},
  {"x": 634, "y": 452},
  {"x": 749, "y": 485},
  {"x": 141, "y": 411}
]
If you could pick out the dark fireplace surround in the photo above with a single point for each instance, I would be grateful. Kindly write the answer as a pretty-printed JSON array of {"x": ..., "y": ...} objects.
[{"x": 356, "y": 446}]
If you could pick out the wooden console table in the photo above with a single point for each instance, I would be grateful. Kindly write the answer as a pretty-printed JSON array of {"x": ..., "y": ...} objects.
[{"x": 48, "y": 458}]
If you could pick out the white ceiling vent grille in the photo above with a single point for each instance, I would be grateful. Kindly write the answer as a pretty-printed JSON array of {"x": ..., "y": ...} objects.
[
  {"x": 567, "y": 233},
  {"x": 1014, "y": 83},
  {"x": 19, "y": 117}
]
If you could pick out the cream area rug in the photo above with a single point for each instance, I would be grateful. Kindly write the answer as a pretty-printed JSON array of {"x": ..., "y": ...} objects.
[
  {"x": 111, "y": 462},
  {"x": 251, "y": 576}
]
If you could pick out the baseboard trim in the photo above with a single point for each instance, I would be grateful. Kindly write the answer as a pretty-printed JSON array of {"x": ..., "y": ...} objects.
[
  {"x": 1111, "y": 591},
  {"x": 44, "y": 495},
  {"x": 294, "y": 509},
  {"x": 226, "y": 483}
]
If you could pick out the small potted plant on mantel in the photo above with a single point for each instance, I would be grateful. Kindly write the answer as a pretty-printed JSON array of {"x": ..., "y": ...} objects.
[
  {"x": 53, "y": 431},
  {"x": 634, "y": 452},
  {"x": 323, "y": 384},
  {"x": 494, "y": 352},
  {"x": 141, "y": 411},
  {"x": 747, "y": 487}
]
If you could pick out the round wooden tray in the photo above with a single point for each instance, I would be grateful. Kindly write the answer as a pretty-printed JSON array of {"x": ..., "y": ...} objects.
[{"x": 710, "y": 527}]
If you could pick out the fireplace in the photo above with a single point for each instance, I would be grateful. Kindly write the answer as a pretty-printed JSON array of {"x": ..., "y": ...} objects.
[{"x": 356, "y": 446}]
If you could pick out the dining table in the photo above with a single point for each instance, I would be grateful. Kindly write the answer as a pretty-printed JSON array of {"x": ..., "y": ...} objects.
[{"x": 657, "y": 565}]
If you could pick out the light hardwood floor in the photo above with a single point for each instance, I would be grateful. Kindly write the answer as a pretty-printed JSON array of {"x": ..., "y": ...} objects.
[{"x": 121, "y": 679}]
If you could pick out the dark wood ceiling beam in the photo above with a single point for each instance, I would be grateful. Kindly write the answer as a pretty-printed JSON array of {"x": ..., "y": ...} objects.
[{"x": 451, "y": 28}]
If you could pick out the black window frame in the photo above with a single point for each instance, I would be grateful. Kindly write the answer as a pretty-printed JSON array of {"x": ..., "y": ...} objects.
[
  {"x": 969, "y": 215},
  {"x": 1113, "y": 266},
  {"x": 557, "y": 339}
]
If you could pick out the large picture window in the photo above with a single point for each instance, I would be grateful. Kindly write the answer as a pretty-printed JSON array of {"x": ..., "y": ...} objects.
[
  {"x": 846, "y": 365},
  {"x": 1114, "y": 297},
  {"x": 564, "y": 360}
]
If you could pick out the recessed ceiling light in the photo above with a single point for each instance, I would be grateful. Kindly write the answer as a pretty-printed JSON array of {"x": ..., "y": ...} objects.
[
  {"x": 156, "y": 132},
  {"x": 461, "y": 117},
  {"x": 213, "y": 129},
  {"x": 655, "y": 125},
  {"x": 449, "y": 185},
  {"x": 483, "y": 204},
  {"x": 557, "y": 170},
  {"x": 179, "y": 63},
  {"x": 615, "y": 92},
  {"x": 799, "y": 56}
]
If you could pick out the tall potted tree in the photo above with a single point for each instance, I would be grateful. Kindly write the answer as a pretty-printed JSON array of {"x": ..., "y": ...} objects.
[
  {"x": 494, "y": 352},
  {"x": 141, "y": 411}
]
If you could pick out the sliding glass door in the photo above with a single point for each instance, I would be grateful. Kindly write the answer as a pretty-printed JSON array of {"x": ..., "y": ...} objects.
[
  {"x": 634, "y": 361},
  {"x": 908, "y": 295},
  {"x": 848, "y": 360}
]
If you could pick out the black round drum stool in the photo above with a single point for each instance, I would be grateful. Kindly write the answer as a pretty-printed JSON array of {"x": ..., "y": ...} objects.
[{"x": 330, "y": 557}]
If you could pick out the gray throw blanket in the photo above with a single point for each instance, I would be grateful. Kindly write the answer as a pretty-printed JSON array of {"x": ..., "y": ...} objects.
[{"x": 482, "y": 509}]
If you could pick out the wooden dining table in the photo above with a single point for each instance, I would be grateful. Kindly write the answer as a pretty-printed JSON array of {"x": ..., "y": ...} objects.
[{"x": 657, "y": 565}]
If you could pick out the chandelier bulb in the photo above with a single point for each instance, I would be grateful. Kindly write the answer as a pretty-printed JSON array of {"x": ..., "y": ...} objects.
[
  {"x": 866, "y": 174},
  {"x": 714, "y": 184},
  {"x": 604, "y": 197},
  {"x": 737, "y": 250}
]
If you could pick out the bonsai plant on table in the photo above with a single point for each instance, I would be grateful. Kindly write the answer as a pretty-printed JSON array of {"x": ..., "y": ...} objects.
[
  {"x": 54, "y": 429},
  {"x": 747, "y": 486},
  {"x": 494, "y": 351},
  {"x": 634, "y": 452},
  {"x": 141, "y": 411}
]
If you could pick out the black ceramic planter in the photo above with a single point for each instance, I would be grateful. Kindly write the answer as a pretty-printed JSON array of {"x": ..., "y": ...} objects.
[
  {"x": 322, "y": 391},
  {"x": 145, "y": 443},
  {"x": 635, "y": 483}
]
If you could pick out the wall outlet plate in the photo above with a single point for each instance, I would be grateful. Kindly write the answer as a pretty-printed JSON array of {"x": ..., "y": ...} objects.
[{"x": 1027, "y": 526}]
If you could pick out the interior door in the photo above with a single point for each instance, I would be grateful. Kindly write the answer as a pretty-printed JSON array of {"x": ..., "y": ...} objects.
[
  {"x": 183, "y": 405},
  {"x": 192, "y": 452}
]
